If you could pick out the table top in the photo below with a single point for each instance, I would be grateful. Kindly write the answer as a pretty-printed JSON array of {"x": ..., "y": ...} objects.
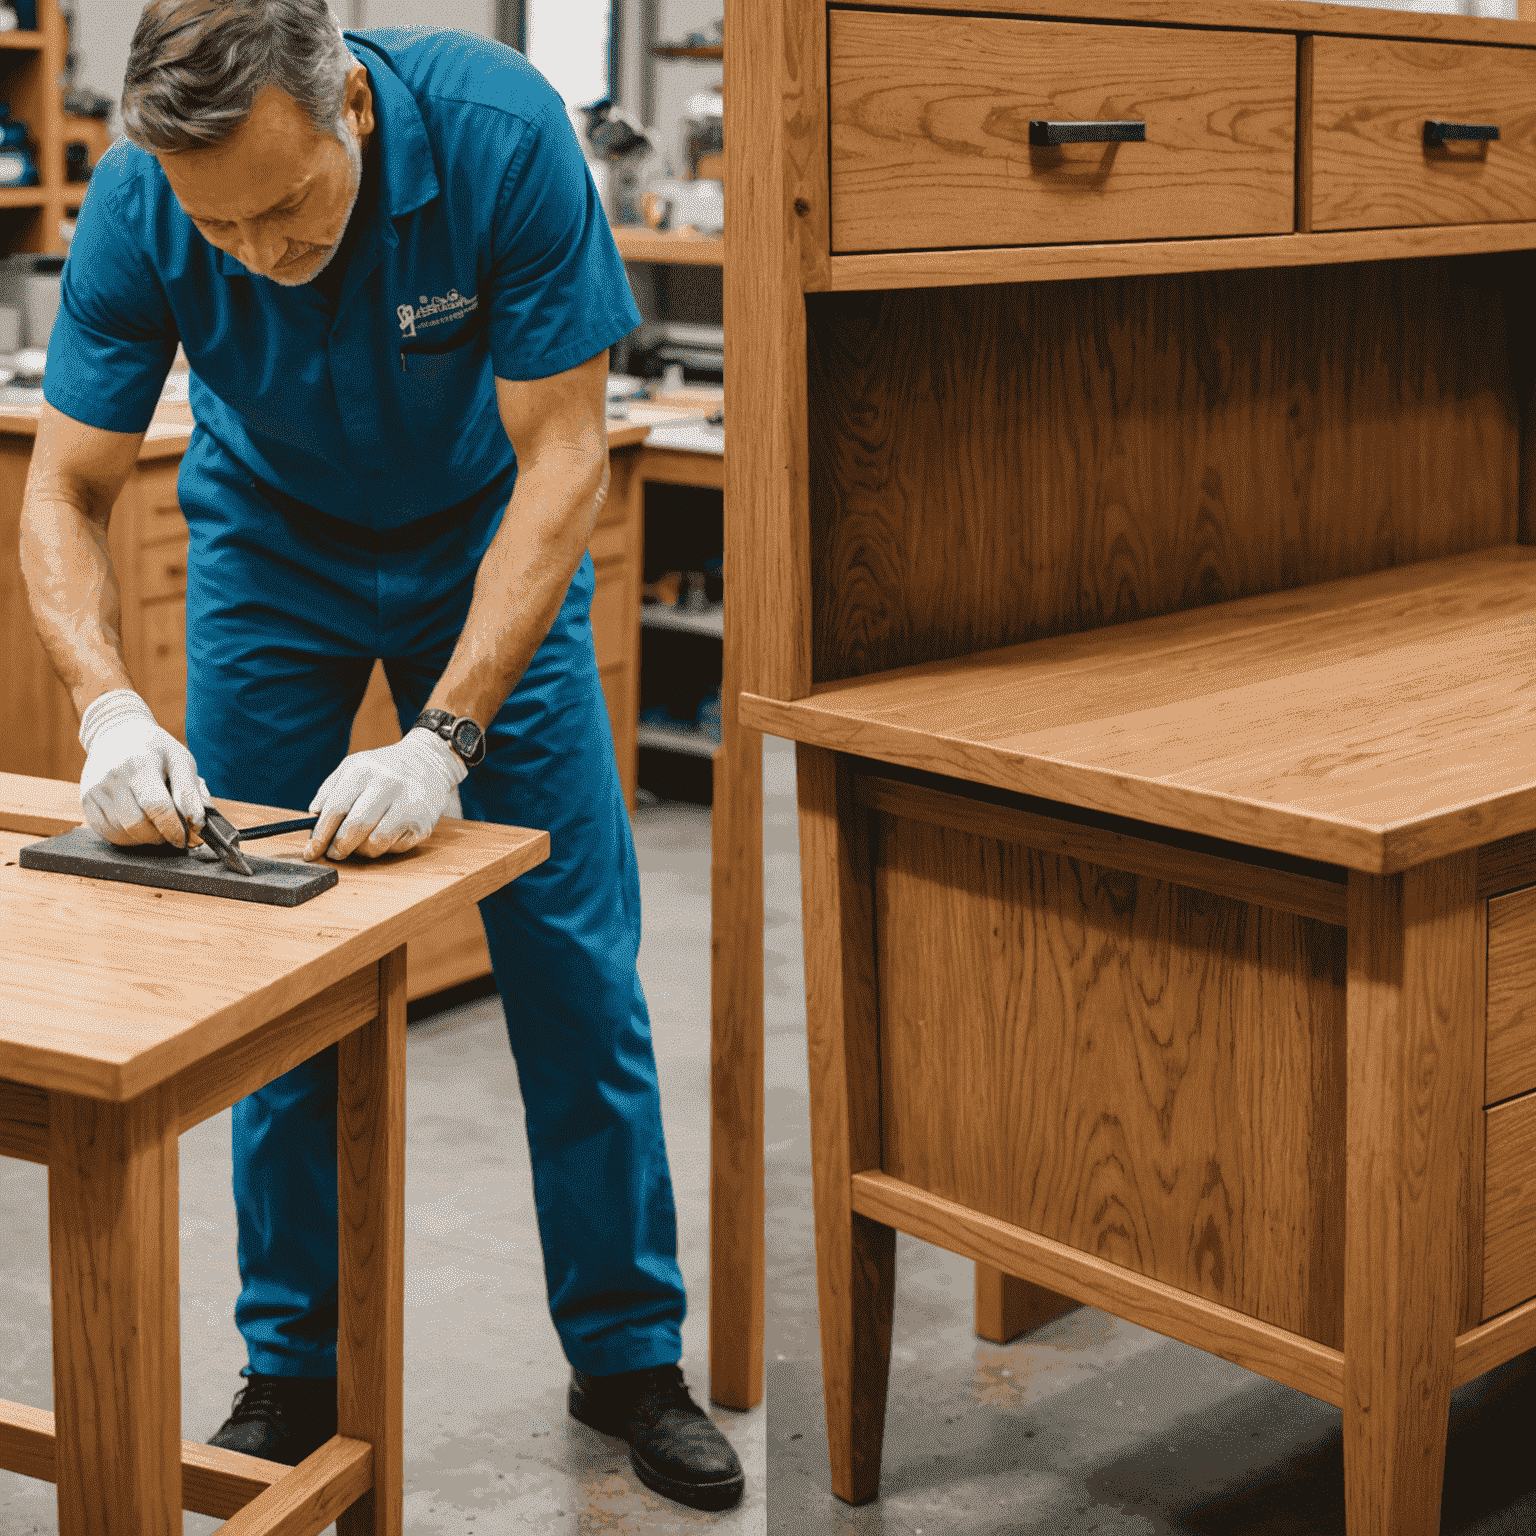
[
  {"x": 1374, "y": 722},
  {"x": 108, "y": 989}
]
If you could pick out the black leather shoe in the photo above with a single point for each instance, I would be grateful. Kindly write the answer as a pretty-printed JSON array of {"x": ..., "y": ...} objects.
[
  {"x": 673, "y": 1447},
  {"x": 280, "y": 1418}
]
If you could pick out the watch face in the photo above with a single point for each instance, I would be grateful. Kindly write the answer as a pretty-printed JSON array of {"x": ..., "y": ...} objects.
[{"x": 468, "y": 741}]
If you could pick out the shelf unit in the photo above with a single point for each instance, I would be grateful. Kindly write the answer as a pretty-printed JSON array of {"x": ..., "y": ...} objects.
[
  {"x": 666, "y": 248},
  {"x": 31, "y": 67}
]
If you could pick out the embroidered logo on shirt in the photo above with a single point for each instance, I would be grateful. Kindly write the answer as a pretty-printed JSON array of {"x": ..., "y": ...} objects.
[{"x": 439, "y": 310}]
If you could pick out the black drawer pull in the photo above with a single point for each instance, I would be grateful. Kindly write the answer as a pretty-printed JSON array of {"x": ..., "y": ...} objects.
[
  {"x": 1041, "y": 133},
  {"x": 1441, "y": 133}
]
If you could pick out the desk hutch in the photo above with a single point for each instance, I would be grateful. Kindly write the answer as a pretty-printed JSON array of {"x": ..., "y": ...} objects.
[{"x": 1131, "y": 506}]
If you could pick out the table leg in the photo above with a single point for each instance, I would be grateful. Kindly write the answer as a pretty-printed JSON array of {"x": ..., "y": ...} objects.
[
  {"x": 1007, "y": 1306},
  {"x": 114, "y": 1269},
  {"x": 370, "y": 1191},
  {"x": 855, "y": 1257},
  {"x": 1412, "y": 1103},
  {"x": 736, "y": 1252}
]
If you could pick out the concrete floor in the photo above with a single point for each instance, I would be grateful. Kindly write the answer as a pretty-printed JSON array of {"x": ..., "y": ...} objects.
[
  {"x": 489, "y": 1447},
  {"x": 1088, "y": 1425}
]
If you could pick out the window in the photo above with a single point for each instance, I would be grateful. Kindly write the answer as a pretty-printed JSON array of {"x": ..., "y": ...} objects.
[{"x": 568, "y": 43}]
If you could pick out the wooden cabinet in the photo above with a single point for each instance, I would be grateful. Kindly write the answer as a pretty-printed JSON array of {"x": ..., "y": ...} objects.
[
  {"x": 1366, "y": 102},
  {"x": 931, "y": 132},
  {"x": 1144, "y": 611}
]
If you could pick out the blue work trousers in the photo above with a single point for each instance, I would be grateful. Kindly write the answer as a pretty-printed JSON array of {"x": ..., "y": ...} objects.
[{"x": 283, "y": 626}]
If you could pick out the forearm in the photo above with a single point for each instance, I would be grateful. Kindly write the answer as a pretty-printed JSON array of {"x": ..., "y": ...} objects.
[
  {"x": 522, "y": 581},
  {"x": 72, "y": 590}
]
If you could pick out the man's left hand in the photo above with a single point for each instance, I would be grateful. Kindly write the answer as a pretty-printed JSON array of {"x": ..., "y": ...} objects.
[{"x": 385, "y": 800}]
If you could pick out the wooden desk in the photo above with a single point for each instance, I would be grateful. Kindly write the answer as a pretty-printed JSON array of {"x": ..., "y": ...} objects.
[
  {"x": 148, "y": 539},
  {"x": 128, "y": 1015},
  {"x": 1151, "y": 607}
]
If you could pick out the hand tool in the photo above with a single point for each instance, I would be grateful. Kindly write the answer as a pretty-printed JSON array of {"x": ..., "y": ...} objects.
[{"x": 225, "y": 840}]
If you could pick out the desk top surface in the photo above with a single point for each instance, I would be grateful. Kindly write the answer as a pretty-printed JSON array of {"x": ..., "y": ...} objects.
[
  {"x": 1374, "y": 722},
  {"x": 108, "y": 989}
]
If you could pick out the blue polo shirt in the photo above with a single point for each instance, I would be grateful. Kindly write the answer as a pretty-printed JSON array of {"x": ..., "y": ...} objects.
[{"x": 487, "y": 255}]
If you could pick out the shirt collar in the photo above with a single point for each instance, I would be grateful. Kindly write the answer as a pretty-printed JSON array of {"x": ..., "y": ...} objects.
[{"x": 407, "y": 174}]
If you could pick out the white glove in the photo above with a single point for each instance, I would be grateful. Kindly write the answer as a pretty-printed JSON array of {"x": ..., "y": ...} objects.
[
  {"x": 386, "y": 800},
  {"x": 136, "y": 776}
]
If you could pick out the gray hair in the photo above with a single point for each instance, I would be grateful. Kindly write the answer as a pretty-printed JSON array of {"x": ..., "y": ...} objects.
[{"x": 196, "y": 66}]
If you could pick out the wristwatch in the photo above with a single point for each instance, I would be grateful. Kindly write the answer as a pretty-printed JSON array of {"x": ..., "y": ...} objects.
[{"x": 463, "y": 735}]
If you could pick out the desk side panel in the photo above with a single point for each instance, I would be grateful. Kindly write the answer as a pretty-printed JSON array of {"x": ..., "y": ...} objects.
[
  {"x": 1146, "y": 1072},
  {"x": 997, "y": 464}
]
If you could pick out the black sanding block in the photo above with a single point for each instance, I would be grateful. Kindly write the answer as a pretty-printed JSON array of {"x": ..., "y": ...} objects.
[{"x": 277, "y": 882}]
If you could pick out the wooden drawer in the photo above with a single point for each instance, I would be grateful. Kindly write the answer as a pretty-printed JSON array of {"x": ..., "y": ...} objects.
[
  {"x": 930, "y": 132},
  {"x": 154, "y": 486},
  {"x": 163, "y": 569},
  {"x": 610, "y": 613},
  {"x": 1363, "y": 133},
  {"x": 1511, "y": 995},
  {"x": 1509, "y": 1209}
]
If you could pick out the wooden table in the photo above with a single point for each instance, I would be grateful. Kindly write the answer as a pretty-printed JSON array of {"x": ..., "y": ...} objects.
[
  {"x": 128, "y": 1015},
  {"x": 1133, "y": 537}
]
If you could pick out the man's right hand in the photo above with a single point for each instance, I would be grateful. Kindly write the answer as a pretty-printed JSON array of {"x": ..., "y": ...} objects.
[{"x": 137, "y": 776}]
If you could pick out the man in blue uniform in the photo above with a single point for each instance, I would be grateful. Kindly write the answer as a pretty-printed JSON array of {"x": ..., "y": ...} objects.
[{"x": 385, "y": 259}]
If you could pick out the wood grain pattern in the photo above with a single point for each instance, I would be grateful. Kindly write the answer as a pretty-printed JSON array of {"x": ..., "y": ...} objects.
[
  {"x": 1007, "y": 1307},
  {"x": 23, "y": 1122},
  {"x": 1473, "y": 1059},
  {"x": 1506, "y": 864},
  {"x": 1370, "y": 100},
  {"x": 1412, "y": 1021},
  {"x": 213, "y": 1481},
  {"x": 1509, "y": 1221},
  {"x": 1154, "y": 258},
  {"x": 92, "y": 1019},
  {"x": 737, "y": 1235},
  {"x": 370, "y": 1194},
  {"x": 1320, "y": 723},
  {"x": 1511, "y": 1067},
  {"x": 221, "y": 1079},
  {"x": 1306, "y": 895},
  {"x": 1259, "y": 15},
  {"x": 1304, "y": 53},
  {"x": 113, "y": 1265},
  {"x": 855, "y": 1257},
  {"x": 1505, "y": 1336},
  {"x": 1089, "y": 1055},
  {"x": 773, "y": 98},
  {"x": 314, "y": 1494},
  {"x": 930, "y": 132},
  {"x": 996, "y": 465},
  {"x": 1257, "y": 1346}
]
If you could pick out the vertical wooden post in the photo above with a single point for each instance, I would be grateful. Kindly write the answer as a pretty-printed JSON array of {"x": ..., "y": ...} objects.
[
  {"x": 1412, "y": 1102},
  {"x": 1007, "y": 1306},
  {"x": 370, "y": 1206},
  {"x": 855, "y": 1257},
  {"x": 113, "y": 1270},
  {"x": 736, "y": 1237}
]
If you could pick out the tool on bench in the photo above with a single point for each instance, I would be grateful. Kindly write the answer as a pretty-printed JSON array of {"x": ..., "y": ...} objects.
[
  {"x": 276, "y": 882},
  {"x": 225, "y": 840}
]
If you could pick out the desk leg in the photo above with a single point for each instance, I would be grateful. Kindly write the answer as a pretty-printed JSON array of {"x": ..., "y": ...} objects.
[
  {"x": 736, "y": 1253},
  {"x": 855, "y": 1257},
  {"x": 1411, "y": 1021},
  {"x": 1007, "y": 1306},
  {"x": 370, "y": 1198},
  {"x": 114, "y": 1270}
]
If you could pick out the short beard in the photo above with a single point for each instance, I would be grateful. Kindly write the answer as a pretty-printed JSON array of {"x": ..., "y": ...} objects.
[{"x": 354, "y": 153}]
